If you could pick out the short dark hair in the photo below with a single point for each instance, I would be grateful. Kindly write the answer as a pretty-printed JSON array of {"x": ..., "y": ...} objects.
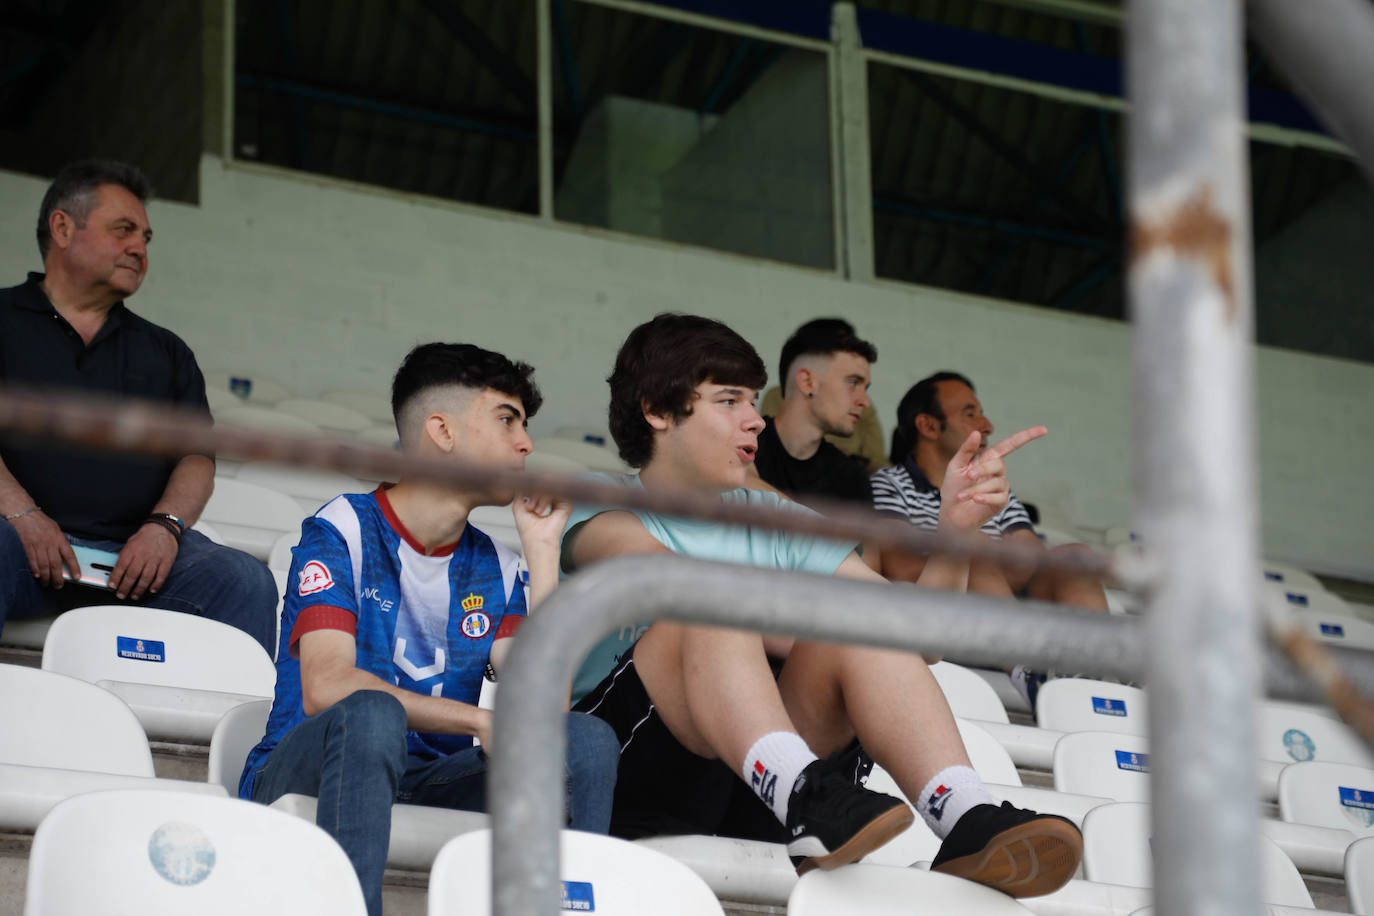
[
  {"x": 922, "y": 397},
  {"x": 73, "y": 192},
  {"x": 433, "y": 365},
  {"x": 659, "y": 367},
  {"x": 823, "y": 336}
]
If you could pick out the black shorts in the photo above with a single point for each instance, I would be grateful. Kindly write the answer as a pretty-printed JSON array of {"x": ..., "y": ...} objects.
[{"x": 661, "y": 787}]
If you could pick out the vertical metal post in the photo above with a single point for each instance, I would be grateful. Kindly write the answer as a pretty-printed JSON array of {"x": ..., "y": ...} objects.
[
  {"x": 849, "y": 128},
  {"x": 544, "y": 69},
  {"x": 227, "y": 111},
  {"x": 1190, "y": 292}
]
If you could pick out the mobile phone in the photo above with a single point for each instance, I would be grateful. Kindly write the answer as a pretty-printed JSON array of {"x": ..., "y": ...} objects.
[{"x": 96, "y": 566}]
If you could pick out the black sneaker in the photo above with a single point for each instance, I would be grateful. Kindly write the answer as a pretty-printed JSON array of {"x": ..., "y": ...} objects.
[
  {"x": 854, "y": 763},
  {"x": 1018, "y": 852},
  {"x": 833, "y": 822}
]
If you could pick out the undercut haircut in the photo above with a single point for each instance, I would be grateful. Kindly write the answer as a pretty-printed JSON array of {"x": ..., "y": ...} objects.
[
  {"x": 73, "y": 192},
  {"x": 659, "y": 367},
  {"x": 922, "y": 397},
  {"x": 445, "y": 365},
  {"x": 822, "y": 337}
]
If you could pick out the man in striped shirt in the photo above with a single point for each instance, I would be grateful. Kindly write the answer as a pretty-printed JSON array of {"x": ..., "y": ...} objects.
[{"x": 934, "y": 418}]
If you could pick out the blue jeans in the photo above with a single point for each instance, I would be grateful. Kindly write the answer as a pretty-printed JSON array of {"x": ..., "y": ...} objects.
[
  {"x": 207, "y": 580},
  {"x": 352, "y": 757}
]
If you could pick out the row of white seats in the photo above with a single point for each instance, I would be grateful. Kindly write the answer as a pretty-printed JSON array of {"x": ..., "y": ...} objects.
[{"x": 419, "y": 832}]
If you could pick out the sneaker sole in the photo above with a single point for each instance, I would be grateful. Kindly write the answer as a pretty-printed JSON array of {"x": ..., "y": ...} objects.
[
  {"x": 874, "y": 834},
  {"x": 1027, "y": 860}
]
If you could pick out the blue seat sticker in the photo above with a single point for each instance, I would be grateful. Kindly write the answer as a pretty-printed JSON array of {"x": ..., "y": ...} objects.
[
  {"x": 1333, "y": 629},
  {"x": 1136, "y": 763},
  {"x": 1357, "y": 798},
  {"x": 1273, "y": 576},
  {"x": 142, "y": 650},
  {"x": 1106, "y": 706},
  {"x": 1295, "y": 598},
  {"x": 577, "y": 895}
]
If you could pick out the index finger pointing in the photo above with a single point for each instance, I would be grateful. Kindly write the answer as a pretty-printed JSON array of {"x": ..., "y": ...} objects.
[{"x": 1016, "y": 440}]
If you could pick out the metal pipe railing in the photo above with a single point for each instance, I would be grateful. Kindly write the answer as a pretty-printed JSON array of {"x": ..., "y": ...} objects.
[
  {"x": 528, "y": 745},
  {"x": 1189, "y": 288}
]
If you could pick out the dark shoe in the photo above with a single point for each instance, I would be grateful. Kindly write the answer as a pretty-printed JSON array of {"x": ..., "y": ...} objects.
[
  {"x": 1018, "y": 852},
  {"x": 854, "y": 763},
  {"x": 833, "y": 822}
]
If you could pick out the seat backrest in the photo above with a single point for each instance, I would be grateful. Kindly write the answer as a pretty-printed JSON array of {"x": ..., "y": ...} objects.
[
  {"x": 336, "y": 418},
  {"x": 377, "y": 406},
  {"x": 264, "y": 390},
  {"x": 497, "y": 523},
  {"x": 877, "y": 890},
  {"x": 172, "y": 853},
  {"x": 238, "y": 732},
  {"x": 1075, "y": 704},
  {"x": 969, "y": 696},
  {"x": 238, "y": 502},
  {"x": 1296, "y": 733},
  {"x": 1105, "y": 764},
  {"x": 1117, "y": 850},
  {"x": 142, "y": 645},
  {"x": 1359, "y": 876},
  {"x": 1338, "y": 630},
  {"x": 599, "y": 874},
  {"x": 310, "y": 487},
  {"x": 267, "y": 419},
  {"x": 1289, "y": 576},
  {"x": 51, "y": 720},
  {"x": 593, "y": 456},
  {"x": 1321, "y": 794}
]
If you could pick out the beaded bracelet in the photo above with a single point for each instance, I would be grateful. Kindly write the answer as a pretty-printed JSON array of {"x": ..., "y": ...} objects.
[{"x": 30, "y": 509}]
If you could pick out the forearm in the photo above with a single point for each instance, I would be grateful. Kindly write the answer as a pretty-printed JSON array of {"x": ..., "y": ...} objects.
[
  {"x": 543, "y": 565},
  {"x": 13, "y": 497},
  {"x": 188, "y": 489},
  {"x": 424, "y": 713}
]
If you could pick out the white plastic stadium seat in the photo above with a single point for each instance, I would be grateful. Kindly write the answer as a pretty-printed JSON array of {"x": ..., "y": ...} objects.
[
  {"x": 599, "y": 874},
  {"x": 279, "y": 557},
  {"x": 267, "y": 419},
  {"x": 162, "y": 853},
  {"x": 1073, "y": 704},
  {"x": 1336, "y": 795},
  {"x": 383, "y": 434},
  {"x": 252, "y": 517},
  {"x": 1338, "y": 630},
  {"x": 51, "y": 720},
  {"x": 1359, "y": 876},
  {"x": 334, "y": 418},
  {"x": 61, "y": 737},
  {"x": 969, "y": 696},
  {"x": 1116, "y": 850},
  {"x": 1289, "y": 576},
  {"x": 1296, "y": 733},
  {"x": 207, "y": 529},
  {"x": 309, "y": 487},
  {"x": 178, "y": 672},
  {"x": 593, "y": 456},
  {"x": 874, "y": 890},
  {"x": 498, "y": 523},
  {"x": 375, "y": 406},
  {"x": 418, "y": 832},
  {"x": 546, "y": 462},
  {"x": 264, "y": 390},
  {"x": 1107, "y": 764},
  {"x": 237, "y": 732}
]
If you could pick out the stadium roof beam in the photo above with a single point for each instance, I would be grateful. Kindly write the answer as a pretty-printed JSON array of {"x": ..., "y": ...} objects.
[{"x": 495, "y": 60}]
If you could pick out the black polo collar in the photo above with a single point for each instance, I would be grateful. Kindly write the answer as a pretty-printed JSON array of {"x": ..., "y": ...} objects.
[
  {"x": 918, "y": 477},
  {"x": 32, "y": 298}
]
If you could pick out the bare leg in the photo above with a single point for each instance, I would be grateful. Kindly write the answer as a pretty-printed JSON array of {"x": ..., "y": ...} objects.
[
  {"x": 889, "y": 699},
  {"x": 712, "y": 687},
  {"x": 1066, "y": 588}
]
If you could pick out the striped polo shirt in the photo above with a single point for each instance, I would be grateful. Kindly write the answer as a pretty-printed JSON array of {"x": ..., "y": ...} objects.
[{"x": 903, "y": 491}]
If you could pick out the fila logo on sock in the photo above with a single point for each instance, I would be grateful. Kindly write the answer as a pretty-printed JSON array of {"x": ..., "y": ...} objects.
[
  {"x": 764, "y": 782},
  {"x": 937, "y": 802}
]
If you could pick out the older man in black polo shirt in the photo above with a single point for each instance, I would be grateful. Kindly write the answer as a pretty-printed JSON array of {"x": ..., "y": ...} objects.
[{"x": 68, "y": 328}]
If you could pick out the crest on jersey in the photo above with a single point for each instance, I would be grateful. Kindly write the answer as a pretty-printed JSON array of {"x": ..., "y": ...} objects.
[
  {"x": 314, "y": 578},
  {"x": 475, "y": 625}
]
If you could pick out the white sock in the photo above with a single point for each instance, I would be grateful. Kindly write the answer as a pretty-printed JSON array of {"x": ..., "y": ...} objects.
[
  {"x": 773, "y": 765},
  {"x": 949, "y": 794}
]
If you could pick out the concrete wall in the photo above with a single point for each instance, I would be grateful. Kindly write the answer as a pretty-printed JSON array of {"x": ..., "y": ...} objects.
[{"x": 324, "y": 286}]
